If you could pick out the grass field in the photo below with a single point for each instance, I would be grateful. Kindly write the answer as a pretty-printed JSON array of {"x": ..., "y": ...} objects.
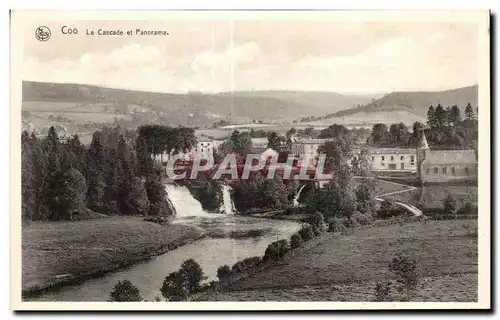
[
  {"x": 432, "y": 196},
  {"x": 58, "y": 251},
  {"x": 346, "y": 267}
]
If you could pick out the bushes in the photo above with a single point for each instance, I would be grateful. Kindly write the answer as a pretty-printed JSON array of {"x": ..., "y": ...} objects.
[
  {"x": 125, "y": 291},
  {"x": 360, "y": 218},
  {"x": 295, "y": 241},
  {"x": 276, "y": 250},
  {"x": 246, "y": 264},
  {"x": 223, "y": 273},
  {"x": 335, "y": 224},
  {"x": 306, "y": 232}
]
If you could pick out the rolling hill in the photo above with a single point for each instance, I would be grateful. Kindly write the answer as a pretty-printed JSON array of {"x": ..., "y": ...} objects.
[
  {"x": 406, "y": 107},
  {"x": 201, "y": 108}
]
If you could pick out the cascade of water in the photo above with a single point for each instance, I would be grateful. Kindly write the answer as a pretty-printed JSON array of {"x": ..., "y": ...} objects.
[
  {"x": 227, "y": 206},
  {"x": 184, "y": 203},
  {"x": 296, "y": 199}
]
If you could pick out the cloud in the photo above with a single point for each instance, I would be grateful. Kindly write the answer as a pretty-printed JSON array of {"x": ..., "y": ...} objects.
[{"x": 425, "y": 61}]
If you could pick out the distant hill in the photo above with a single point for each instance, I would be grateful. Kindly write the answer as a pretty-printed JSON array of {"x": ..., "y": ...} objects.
[
  {"x": 418, "y": 102},
  {"x": 199, "y": 108},
  {"x": 406, "y": 107},
  {"x": 318, "y": 102}
]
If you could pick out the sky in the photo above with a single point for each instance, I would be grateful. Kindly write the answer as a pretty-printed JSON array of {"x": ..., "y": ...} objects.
[{"x": 223, "y": 55}]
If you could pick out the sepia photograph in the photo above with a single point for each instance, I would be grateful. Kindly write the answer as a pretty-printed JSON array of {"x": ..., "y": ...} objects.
[{"x": 205, "y": 160}]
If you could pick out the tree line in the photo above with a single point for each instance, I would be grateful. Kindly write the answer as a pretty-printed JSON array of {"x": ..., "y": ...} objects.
[
  {"x": 114, "y": 175},
  {"x": 445, "y": 128}
]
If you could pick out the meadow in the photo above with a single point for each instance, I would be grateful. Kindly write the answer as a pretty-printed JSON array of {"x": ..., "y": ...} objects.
[
  {"x": 347, "y": 267},
  {"x": 55, "y": 252}
]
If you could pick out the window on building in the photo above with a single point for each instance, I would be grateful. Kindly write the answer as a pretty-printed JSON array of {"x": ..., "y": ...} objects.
[
  {"x": 436, "y": 170},
  {"x": 392, "y": 158},
  {"x": 444, "y": 170},
  {"x": 428, "y": 170},
  {"x": 373, "y": 158},
  {"x": 402, "y": 157},
  {"x": 412, "y": 158},
  {"x": 383, "y": 158},
  {"x": 453, "y": 172}
]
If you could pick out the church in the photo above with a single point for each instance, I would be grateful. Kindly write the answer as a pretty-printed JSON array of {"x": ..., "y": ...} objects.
[
  {"x": 431, "y": 166},
  {"x": 438, "y": 166}
]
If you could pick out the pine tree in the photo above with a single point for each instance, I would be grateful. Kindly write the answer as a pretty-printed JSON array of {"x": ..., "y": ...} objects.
[
  {"x": 454, "y": 115},
  {"x": 431, "y": 117},
  {"x": 94, "y": 169},
  {"x": 440, "y": 116},
  {"x": 469, "y": 112}
]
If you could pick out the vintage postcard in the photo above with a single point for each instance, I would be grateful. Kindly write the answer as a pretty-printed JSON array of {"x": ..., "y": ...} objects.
[{"x": 260, "y": 160}]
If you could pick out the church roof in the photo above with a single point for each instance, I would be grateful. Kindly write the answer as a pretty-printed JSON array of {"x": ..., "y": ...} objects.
[
  {"x": 423, "y": 142},
  {"x": 450, "y": 157}
]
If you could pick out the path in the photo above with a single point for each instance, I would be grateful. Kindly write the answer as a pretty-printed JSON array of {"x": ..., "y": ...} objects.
[{"x": 416, "y": 211}]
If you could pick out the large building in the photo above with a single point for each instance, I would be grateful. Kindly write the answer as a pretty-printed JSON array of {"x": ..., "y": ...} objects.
[
  {"x": 393, "y": 159},
  {"x": 445, "y": 165},
  {"x": 432, "y": 166}
]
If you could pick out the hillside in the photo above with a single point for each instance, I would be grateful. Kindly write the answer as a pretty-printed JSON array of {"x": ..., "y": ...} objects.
[
  {"x": 318, "y": 102},
  {"x": 406, "y": 107},
  {"x": 197, "y": 107},
  {"x": 418, "y": 102}
]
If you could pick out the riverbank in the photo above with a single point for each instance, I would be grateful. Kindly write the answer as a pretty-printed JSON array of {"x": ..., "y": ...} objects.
[
  {"x": 56, "y": 254},
  {"x": 347, "y": 267}
]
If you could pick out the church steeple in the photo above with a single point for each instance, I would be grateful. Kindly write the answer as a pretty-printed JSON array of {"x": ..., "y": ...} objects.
[{"x": 423, "y": 141}]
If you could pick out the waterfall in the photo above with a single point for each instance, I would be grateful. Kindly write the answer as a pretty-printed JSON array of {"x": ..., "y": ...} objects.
[
  {"x": 296, "y": 199},
  {"x": 184, "y": 203},
  {"x": 227, "y": 205}
]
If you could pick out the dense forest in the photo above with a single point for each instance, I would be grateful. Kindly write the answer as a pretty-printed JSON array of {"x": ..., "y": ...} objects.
[{"x": 115, "y": 175}]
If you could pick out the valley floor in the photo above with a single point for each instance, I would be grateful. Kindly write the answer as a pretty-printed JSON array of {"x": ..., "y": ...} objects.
[
  {"x": 347, "y": 267},
  {"x": 58, "y": 252}
]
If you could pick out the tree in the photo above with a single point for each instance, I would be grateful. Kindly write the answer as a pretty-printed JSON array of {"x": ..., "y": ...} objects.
[
  {"x": 416, "y": 134},
  {"x": 174, "y": 286},
  {"x": 450, "y": 206},
  {"x": 125, "y": 291},
  {"x": 72, "y": 194},
  {"x": 379, "y": 133},
  {"x": 469, "y": 112},
  {"x": 240, "y": 142},
  {"x": 273, "y": 141},
  {"x": 157, "y": 196},
  {"x": 440, "y": 116},
  {"x": 454, "y": 115},
  {"x": 404, "y": 266},
  {"x": 364, "y": 198},
  {"x": 224, "y": 273},
  {"x": 193, "y": 274},
  {"x": 431, "y": 117},
  {"x": 94, "y": 172},
  {"x": 333, "y": 131}
]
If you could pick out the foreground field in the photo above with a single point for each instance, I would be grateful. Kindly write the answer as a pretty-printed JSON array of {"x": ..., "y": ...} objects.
[
  {"x": 60, "y": 251},
  {"x": 346, "y": 267}
]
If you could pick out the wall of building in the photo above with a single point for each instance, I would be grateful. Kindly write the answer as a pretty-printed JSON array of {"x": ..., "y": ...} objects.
[
  {"x": 448, "y": 172},
  {"x": 393, "y": 161}
]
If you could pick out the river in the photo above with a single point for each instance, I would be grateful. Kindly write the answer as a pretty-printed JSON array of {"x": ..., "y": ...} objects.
[{"x": 225, "y": 244}]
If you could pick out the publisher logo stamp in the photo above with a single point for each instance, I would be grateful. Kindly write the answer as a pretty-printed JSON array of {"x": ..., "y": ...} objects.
[{"x": 42, "y": 33}]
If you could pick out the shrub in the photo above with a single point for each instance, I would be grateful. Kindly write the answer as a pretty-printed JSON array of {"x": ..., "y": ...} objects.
[
  {"x": 125, "y": 291},
  {"x": 296, "y": 241},
  {"x": 469, "y": 209},
  {"x": 276, "y": 250},
  {"x": 382, "y": 291},
  {"x": 306, "y": 232},
  {"x": 404, "y": 266},
  {"x": 192, "y": 273},
  {"x": 174, "y": 287},
  {"x": 223, "y": 273},
  {"x": 362, "y": 219},
  {"x": 352, "y": 221},
  {"x": 335, "y": 224},
  {"x": 317, "y": 220},
  {"x": 450, "y": 206},
  {"x": 246, "y": 264}
]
